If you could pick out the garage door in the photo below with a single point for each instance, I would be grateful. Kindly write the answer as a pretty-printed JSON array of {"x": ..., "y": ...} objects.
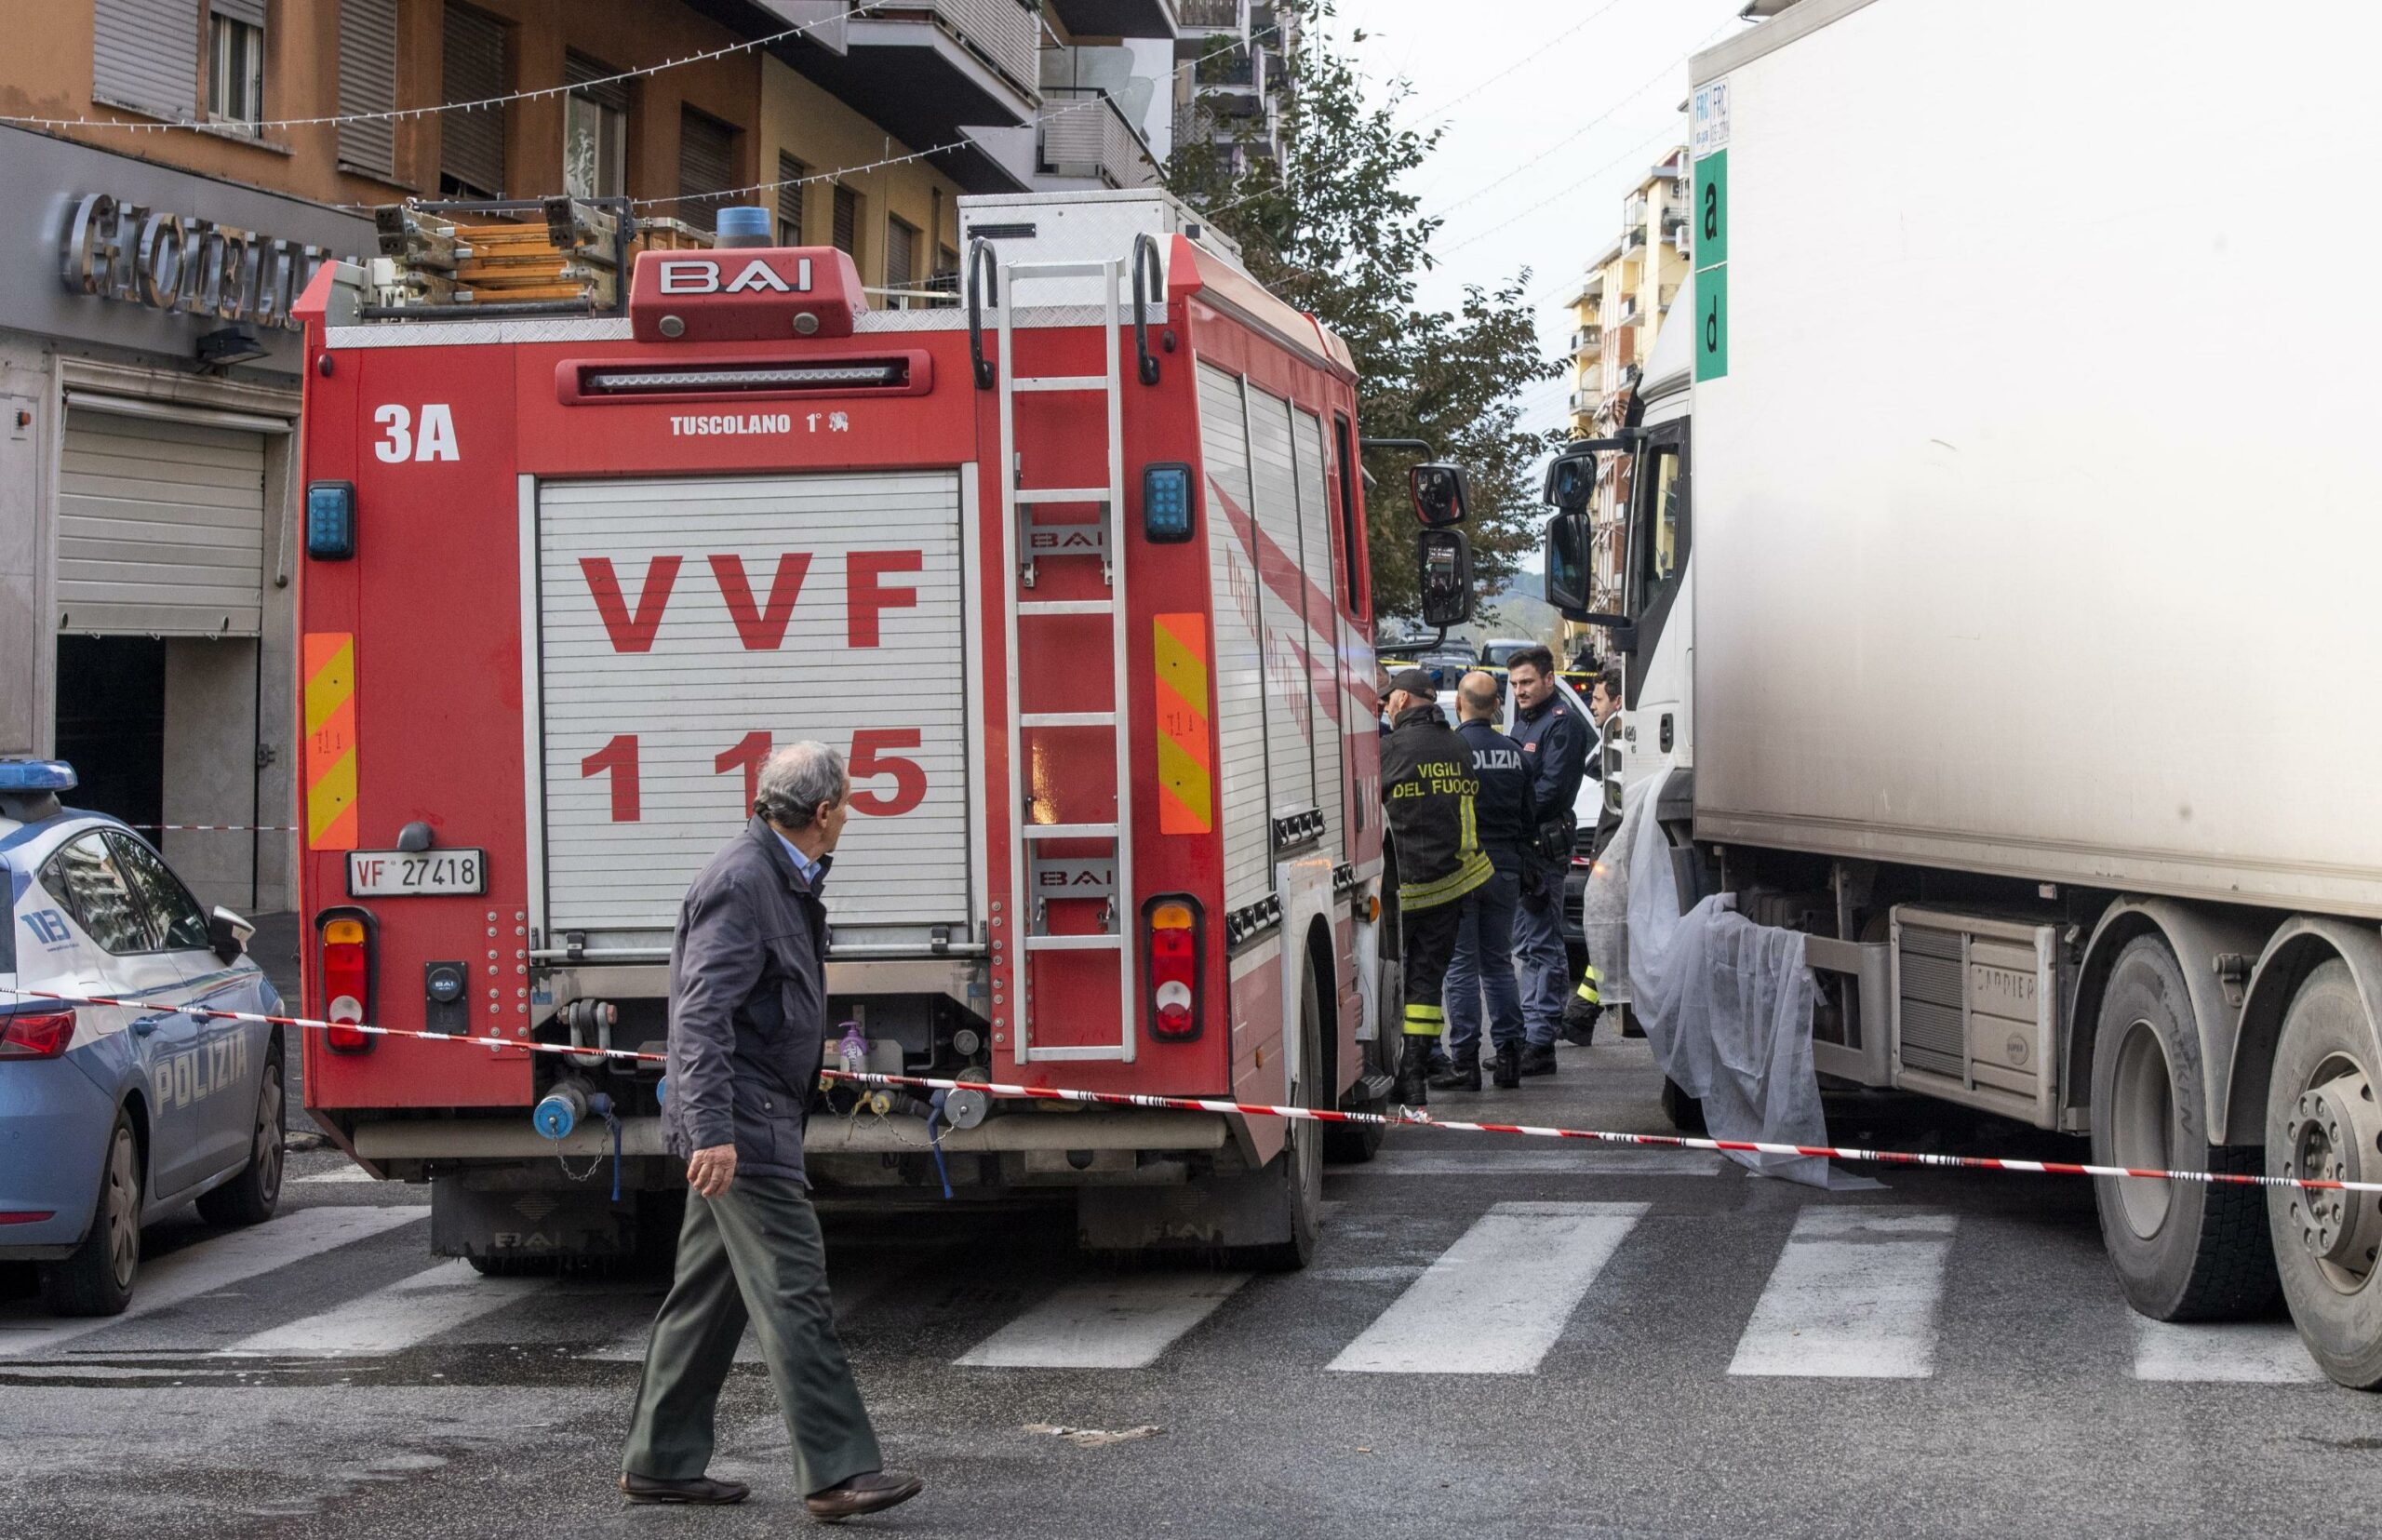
[{"x": 160, "y": 527}]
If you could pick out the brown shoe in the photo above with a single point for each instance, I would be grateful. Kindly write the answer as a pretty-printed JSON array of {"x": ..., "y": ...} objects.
[
  {"x": 872, "y": 1493},
  {"x": 702, "y": 1490}
]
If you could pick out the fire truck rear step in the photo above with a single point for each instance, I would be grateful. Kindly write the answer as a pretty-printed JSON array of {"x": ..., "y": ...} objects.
[
  {"x": 1062, "y": 382},
  {"x": 1067, "y": 719},
  {"x": 1018, "y": 505}
]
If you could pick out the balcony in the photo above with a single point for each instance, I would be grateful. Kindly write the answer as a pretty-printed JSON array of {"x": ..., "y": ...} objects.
[
  {"x": 1635, "y": 236},
  {"x": 1584, "y": 402},
  {"x": 1201, "y": 23},
  {"x": 935, "y": 71},
  {"x": 1629, "y": 310},
  {"x": 1588, "y": 341},
  {"x": 1086, "y": 141},
  {"x": 1115, "y": 17}
]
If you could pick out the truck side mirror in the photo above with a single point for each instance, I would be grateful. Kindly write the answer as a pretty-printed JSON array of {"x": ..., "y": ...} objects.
[
  {"x": 1445, "y": 559},
  {"x": 1567, "y": 563},
  {"x": 1443, "y": 494}
]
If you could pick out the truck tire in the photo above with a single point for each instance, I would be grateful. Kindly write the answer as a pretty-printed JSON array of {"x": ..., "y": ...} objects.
[
  {"x": 96, "y": 1279},
  {"x": 2322, "y": 1123},
  {"x": 250, "y": 1198},
  {"x": 2182, "y": 1251},
  {"x": 1355, "y": 1144}
]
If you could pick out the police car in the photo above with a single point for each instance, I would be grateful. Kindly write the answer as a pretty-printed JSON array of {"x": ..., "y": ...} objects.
[{"x": 113, "y": 1116}]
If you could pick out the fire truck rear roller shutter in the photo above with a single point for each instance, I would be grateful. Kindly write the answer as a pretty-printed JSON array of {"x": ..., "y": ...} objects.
[
  {"x": 1323, "y": 622},
  {"x": 1238, "y": 667}
]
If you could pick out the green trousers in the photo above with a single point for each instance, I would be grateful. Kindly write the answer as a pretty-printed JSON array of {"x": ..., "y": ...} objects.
[{"x": 754, "y": 1251}]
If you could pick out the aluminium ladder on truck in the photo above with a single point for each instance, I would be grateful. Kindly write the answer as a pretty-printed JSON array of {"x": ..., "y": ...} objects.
[{"x": 1017, "y": 503}]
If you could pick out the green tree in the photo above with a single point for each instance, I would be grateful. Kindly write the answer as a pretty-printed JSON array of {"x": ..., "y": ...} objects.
[{"x": 1330, "y": 229}]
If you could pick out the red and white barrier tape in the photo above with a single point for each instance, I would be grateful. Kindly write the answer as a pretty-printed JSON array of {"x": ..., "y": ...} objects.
[
  {"x": 214, "y": 828},
  {"x": 1404, "y": 1116}
]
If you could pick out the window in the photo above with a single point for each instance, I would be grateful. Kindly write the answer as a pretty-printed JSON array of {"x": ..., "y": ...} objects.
[
  {"x": 367, "y": 83},
  {"x": 178, "y": 923},
  {"x": 471, "y": 149},
  {"x": 706, "y": 166},
  {"x": 946, "y": 274},
  {"x": 1351, "y": 537},
  {"x": 790, "y": 174},
  {"x": 900, "y": 244},
  {"x": 85, "y": 878},
  {"x": 143, "y": 55},
  {"x": 846, "y": 236},
  {"x": 594, "y": 131},
  {"x": 1665, "y": 551},
  {"x": 236, "y": 62}
]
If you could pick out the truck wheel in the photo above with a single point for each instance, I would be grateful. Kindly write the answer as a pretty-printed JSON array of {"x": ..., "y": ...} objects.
[
  {"x": 250, "y": 1198},
  {"x": 96, "y": 1279},
  {"x": 2323, "y": 1123},
  {"x": 1299, "y": 1168},
  {"x": 1353, "y": 1144},
  {"x": 2183, "y": 1251}
]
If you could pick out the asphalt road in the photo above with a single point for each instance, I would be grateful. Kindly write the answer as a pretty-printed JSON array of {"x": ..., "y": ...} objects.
[{"x": 1496, "y": 1338}]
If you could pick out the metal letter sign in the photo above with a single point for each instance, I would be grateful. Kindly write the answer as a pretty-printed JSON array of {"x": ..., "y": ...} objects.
[{"x": 117, "y": 250}]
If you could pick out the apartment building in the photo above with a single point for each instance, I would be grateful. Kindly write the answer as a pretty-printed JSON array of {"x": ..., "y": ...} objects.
[
  {"x": 1616, "y": 312},
  {"x": 1240, "y": 71},
  {"x": 149, "y": 372}
]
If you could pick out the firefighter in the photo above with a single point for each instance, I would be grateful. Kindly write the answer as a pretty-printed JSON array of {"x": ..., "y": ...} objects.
[{"x": 1428, "y": 782}]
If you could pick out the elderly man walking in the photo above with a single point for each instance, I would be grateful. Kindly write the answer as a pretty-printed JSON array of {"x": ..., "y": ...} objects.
[{"x": 748, "y": 1003}]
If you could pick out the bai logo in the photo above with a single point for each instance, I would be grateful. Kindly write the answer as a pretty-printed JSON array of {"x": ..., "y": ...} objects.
[{"x": 700, "y": 276}]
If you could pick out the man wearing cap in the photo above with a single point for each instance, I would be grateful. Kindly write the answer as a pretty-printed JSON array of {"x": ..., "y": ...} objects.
[{"x": 1428, "y": 782}]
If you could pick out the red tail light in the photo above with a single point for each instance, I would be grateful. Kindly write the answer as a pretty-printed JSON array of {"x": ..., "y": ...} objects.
[
  {"x": 1177, "y": 935},
  {"x": 35, "y": 1034},
  {"x": 347, "y": 979}
]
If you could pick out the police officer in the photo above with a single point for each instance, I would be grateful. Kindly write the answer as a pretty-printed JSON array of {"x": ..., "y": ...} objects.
[
  {"x": 1507, "y": 822},
  {"x": 1555, "y": 742},
  {"x": 1428, "y": 783}
]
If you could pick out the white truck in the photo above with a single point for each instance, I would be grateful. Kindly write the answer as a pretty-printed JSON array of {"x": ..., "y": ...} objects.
[{"x": 2001, "y": 602}]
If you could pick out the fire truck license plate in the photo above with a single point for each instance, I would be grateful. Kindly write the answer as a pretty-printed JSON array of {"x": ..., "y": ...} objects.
[{"x": 400, "y": 874}]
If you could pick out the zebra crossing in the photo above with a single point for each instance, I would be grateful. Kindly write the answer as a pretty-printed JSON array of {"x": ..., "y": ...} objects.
[{"x": 1854, "y": 1290}]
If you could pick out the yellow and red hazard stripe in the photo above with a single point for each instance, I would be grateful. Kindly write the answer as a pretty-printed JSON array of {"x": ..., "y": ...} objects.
[
  {"x": 329, "y": 662},
  {"x": 1186, "y": 802}
]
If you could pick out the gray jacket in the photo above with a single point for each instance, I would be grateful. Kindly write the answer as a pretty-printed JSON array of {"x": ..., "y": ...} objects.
[{"x": 748, "y": 1002}]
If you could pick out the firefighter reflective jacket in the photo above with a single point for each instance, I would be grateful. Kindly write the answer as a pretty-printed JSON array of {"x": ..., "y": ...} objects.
[{"x": 1426, "y": 780}]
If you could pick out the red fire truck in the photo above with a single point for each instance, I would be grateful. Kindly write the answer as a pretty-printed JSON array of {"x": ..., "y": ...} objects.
[{"x": 1073, "y": 571}]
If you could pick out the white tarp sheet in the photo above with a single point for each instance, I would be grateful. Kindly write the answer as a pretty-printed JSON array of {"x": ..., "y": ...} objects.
[{"x": 1726, "y": 1003}]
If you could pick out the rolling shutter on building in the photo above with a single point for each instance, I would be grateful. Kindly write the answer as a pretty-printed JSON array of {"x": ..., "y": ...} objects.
[
  {"x": 706, "y": 165},
  {"x": 847, "y": 232},
  {"x": 367, "y": 83},
  {"x": 160, "y": 527},
  {"x": 470, "y": 155},
  {"x": 144, "y": 54},
  {"x": 595, "y": 81},
  {"x": 249, "y": 11},
  {"x": 790, "y": 175},
  {"x": 900, "y": 242}
]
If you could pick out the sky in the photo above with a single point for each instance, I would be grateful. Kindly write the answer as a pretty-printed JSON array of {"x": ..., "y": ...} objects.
[{"x": 1554, "y": 109}]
